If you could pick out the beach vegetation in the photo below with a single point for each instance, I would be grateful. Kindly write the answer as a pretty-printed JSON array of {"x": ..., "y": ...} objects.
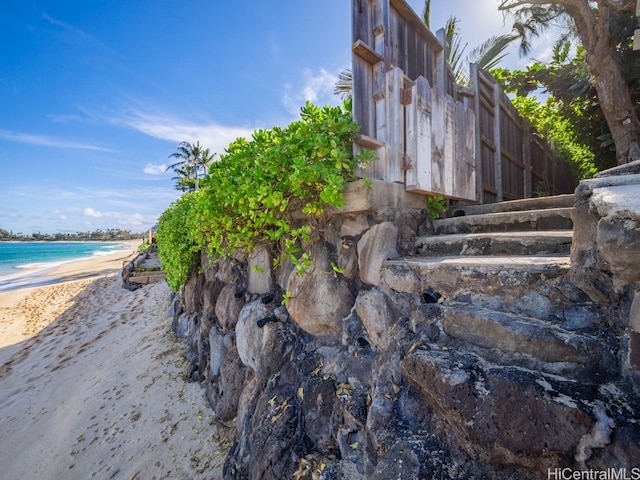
[
  {"x": 145, "y": 246},
  {"x": 270, "y": 190},
  {"x": 175, "y": 239}
]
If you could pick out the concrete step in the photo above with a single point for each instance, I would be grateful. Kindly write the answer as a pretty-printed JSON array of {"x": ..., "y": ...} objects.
[
  {"x": 511, "y": 339},
  {"x": 530, "y": 220},
  {"x": 508, "y": 277},
  {"x": 148, "y": 277},
  {"x": 501, "y": 243},
  {"x": 539, "y": 203}
]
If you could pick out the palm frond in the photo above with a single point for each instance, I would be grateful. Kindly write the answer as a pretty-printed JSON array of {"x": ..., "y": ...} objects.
[
  {"x": 489, "y": 54},
  {"x": 533, "y": 20},
  {"x": 455, "y": 48},
  {"x": 426, "y": 13},
  {"x": 344, "y": 84}
]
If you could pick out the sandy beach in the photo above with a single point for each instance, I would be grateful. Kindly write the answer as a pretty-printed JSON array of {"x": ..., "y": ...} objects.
[{"x": 92, "y": 382}]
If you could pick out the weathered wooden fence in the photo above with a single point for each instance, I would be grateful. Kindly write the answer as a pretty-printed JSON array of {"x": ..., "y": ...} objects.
[
  {"x": 514, "y": 161},
  {"x": 430, "y": 133},
  {"x": 405, "y": 101}
]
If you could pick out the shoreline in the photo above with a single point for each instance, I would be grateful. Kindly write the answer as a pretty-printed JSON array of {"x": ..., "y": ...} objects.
[
  {"x": 95, "y": 384},
  {"x": 49, "y": 273},
  {"x": 28, "y": 302}
]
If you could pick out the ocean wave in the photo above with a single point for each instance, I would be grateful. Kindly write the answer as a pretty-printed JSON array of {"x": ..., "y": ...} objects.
[
  {"x": 39, "y": 266},
  {"x": 111, "y": 249},
  {"x": 10, "y": 272},
  {"x": 30, "y": 275}
]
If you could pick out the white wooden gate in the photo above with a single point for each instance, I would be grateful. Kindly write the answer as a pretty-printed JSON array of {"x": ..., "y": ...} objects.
[
  {"x": 404, "y": 99},
  {"x": 440, "y": 144}
]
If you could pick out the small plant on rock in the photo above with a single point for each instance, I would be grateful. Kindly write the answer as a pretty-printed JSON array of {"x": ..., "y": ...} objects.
[{"x": 436, "y": 205}]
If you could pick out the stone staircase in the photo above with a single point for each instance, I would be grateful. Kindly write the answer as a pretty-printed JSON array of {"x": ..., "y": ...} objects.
[
  {"x": 501, "y": 272},
  {"x": 522, "y": 227}
]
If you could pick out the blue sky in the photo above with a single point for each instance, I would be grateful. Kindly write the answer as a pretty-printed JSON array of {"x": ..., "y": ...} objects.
[{"x": 95, "y": 95}]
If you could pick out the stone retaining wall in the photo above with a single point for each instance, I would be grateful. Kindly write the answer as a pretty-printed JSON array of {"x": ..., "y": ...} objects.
[{"x": 359, "y": 376}]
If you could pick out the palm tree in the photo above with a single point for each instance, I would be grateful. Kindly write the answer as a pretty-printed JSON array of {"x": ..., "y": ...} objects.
[
  {"x": 193, "y": 158},
  {"x": 185, "y": 180}
]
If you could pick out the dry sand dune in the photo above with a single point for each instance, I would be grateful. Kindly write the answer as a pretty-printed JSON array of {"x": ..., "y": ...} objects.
[{"x": 96, "y": 388}]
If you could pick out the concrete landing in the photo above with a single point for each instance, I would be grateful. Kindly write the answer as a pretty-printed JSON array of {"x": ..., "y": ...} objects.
[
  {"x": 500, "y": 243},
  {"x": 506, "y": 276},
  {"x": 530, "y": 220},
  {"x": 539, "y": 203}
]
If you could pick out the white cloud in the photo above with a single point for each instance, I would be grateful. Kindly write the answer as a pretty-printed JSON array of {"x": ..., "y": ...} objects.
[
  {"x": 90, "y": 212},
  {"x": 170, "y": 128},
  {"x": 61, "y": 215},
  {"x": 127, "y": 221},
  {"x": 317, "y": 88},
  {"x": 151, "y": 169},
  {"x": 45, "y": 141},
  {"x": 64, "y": 25}
]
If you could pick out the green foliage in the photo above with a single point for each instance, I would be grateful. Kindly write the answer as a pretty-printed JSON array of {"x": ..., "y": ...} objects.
[
  {"x": 176, "y": 248},
  {"x": 264, "y": 191},
  {"x": 144, "y": 246},
  {"x": 336, "y": 269},
  {"x": 581, "y": 128},
  {"x": 548, "y": 118},
  {"x": 436, "y": 205}
]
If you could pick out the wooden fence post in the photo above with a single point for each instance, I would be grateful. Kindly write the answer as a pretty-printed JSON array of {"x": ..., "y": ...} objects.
[
  {"x": 475, "y": 85},
  {"x": 526, "y": 156},
  {"x": 441, "y": 64},
  {"x": 497, "y": 141},
  {"x": 395, "y": 127}
]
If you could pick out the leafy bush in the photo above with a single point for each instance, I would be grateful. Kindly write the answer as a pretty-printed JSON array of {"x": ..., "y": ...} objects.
[
  {"x": 549, "y": 120},
  {"x": 178, "y": 252},
  {"x": 264, "y": 191}
]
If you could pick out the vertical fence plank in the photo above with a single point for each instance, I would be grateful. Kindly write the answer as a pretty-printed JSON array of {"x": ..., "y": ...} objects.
[
  {"x": 441, "y": 64},
  {"x": 393, "y": 171},
  {"x": 470, "y": 153},
  {"x": 497, "y": 141},
  {"x": 526, "y": 155},
  {"x": 361, "y": 21},
  {"x": 475, "y": 86},
  {"x": 438, "y": 109},
  {"x": 449, "y": 145},
  {"x": 419, "y": 178},
  {"x": 464, "y": 166},
  {"x": 411, "y": 142}
]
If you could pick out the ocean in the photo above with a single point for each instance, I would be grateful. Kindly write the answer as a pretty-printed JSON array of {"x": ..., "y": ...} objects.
[{"x": 21, "y": 259}]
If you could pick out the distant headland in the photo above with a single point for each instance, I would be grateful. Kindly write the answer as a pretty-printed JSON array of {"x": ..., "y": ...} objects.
[{"x": 109, "y": 235}]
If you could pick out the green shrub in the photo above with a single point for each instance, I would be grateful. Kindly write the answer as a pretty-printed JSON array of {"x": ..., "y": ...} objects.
[
  {"x": 264, "y": 191},
  {"x": 178, "y": 252}
]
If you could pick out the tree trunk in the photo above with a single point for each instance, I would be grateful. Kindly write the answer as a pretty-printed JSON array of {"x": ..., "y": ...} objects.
[{"x": 613, "y": 92}]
